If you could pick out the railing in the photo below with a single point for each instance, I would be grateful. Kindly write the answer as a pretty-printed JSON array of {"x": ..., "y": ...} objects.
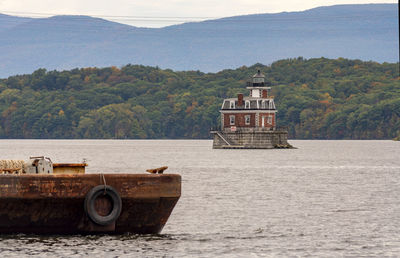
[
  {"x": 256, "y": 129},
  {"x": 216, "y": 128},
  {"x": 243, "y": 108},
  {"x": 282, "y": 128},
  {"x": 249, "y": 129},
  {"x": 224, "y": 138},
  {"x": 260, "y": 84}
]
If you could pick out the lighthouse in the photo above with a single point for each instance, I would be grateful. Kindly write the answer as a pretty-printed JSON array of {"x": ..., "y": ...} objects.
[{"x": 249, "y": 122}]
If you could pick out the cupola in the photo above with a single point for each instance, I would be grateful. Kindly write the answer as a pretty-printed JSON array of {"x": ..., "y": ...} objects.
[{"x": 258, "y": 79}]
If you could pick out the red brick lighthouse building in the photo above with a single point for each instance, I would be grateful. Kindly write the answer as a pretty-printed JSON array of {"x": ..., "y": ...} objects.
[{"x": 250, "y": 122}]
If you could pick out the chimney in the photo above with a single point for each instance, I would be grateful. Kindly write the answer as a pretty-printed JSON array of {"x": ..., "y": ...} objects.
[
  {"x": 240, "y": 99},
  {"x": 264, "y": 94}
]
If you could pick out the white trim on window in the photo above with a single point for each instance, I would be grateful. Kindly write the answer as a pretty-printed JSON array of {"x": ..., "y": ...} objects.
[
  {"x": 247, "y": 104},
  {"x": 269, "y": 120},
  {"x": 247, "y": 119},
  {"x": 232, "y": 120}
]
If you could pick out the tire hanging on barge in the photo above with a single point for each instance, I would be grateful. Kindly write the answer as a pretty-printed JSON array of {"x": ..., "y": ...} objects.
[{"x": 90, "y": 208}]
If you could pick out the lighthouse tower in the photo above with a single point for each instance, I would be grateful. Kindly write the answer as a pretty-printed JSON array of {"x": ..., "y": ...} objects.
[
  {"x": 250, "y": 121},
  {"x": 255, "y": 111}
]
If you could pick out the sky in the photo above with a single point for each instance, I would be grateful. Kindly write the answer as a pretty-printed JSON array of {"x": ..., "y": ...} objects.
[{"x": 160, "y": 13}]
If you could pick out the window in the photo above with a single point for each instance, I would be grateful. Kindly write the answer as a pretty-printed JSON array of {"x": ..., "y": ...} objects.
[
  {"x": 247, "y": 119},
  {"x": 232, "y": 104},
  {"x": 247, "y": 104},
  {"x": 232, "y": 120},
  {"x": 258, "y": 80},
  {"x": 269, "y": 120},
  {"x": 263, "y": 104}
]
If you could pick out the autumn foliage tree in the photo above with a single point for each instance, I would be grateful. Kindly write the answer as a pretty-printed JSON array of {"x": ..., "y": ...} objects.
[{"x": 317, "y": 98}]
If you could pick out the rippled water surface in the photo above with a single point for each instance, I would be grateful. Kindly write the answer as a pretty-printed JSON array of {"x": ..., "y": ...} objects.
[{"x": 324, "y": 199}]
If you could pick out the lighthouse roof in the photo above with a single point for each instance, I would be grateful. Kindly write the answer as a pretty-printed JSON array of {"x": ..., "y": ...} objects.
[
  {"x": 249, "y": 103},
  {"x": 258, "y": 80},
  {"x": 258, "y": 75}
]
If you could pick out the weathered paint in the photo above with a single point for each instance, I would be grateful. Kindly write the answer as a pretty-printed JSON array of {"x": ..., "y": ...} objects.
[
  {"x": 69, "y": 168},
  {"x": 54, "y": 203}
]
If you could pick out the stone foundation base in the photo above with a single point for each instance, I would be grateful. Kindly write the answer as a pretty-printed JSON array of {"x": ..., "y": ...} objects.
[{"x": 250, "y": 139}]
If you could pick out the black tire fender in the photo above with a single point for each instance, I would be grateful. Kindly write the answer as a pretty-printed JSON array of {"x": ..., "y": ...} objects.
[{"x": 89, "y": 204}]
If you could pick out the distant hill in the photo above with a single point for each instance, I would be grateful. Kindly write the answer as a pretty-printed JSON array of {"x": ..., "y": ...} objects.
[
  {"x": 9, "y": 22},
  {"x": 366, "y": 32}
]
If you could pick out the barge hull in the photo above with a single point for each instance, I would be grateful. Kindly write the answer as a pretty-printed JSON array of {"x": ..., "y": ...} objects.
[{"x": 54, "y": 204}]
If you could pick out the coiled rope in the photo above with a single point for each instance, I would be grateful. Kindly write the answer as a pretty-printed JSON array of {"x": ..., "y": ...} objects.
[{"x": 12, "y": 166}]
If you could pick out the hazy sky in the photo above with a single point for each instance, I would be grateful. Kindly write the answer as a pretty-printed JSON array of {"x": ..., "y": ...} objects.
[{"x": 159, "y": 13}]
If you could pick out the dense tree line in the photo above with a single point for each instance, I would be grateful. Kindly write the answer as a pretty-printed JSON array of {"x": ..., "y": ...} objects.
[{"x": 317, "y": 98}]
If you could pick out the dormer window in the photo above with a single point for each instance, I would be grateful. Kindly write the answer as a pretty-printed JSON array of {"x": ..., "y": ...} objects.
[
  {"x": 271, "y": 104},
  {"x": 232, "y": 104},
  {"x": 247, "y": 104},
  {"x": 263, "y": 104}
]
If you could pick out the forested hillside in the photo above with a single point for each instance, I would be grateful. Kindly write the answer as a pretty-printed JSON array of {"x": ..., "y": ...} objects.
[{"x": 317, "y": 98}]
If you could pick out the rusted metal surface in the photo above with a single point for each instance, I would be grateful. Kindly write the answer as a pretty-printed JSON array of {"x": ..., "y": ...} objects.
[
  {"x": 159, "y": 170},
  {"x": 54, "y": 203},
  {"x": 69, "y": 168},
  {"x": 69, "y": 165}
]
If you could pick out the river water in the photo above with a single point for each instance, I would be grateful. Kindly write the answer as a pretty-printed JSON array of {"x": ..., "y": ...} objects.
[{"x": 324, "y": 199}]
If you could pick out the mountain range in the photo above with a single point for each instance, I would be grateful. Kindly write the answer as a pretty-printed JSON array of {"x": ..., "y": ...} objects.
[{"x": 365, "y": 32}]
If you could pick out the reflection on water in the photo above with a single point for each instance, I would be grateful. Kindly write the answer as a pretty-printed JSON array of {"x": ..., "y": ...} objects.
[{"x": 327, "y": 198}]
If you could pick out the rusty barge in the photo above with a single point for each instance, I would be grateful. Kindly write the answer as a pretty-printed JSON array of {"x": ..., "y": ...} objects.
[{"x": 42, "y": 197}]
